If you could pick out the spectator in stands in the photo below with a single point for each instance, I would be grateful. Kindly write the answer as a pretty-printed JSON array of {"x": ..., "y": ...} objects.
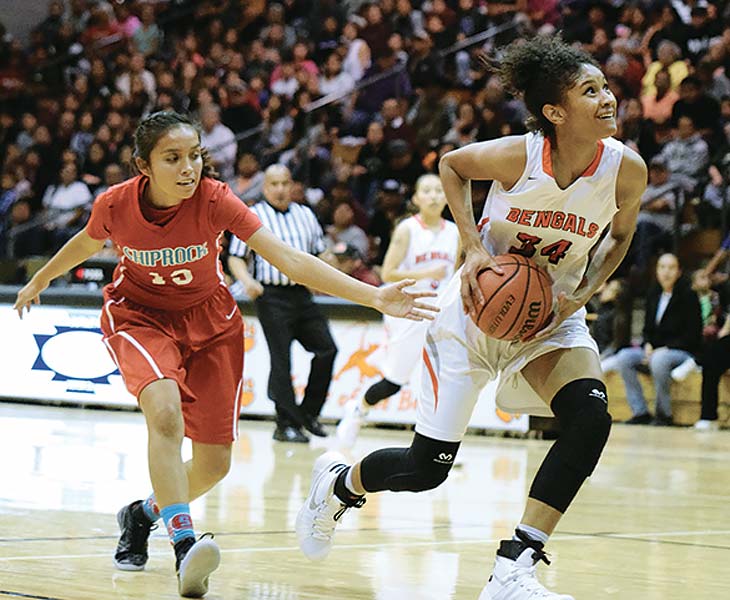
[
  {"x": 715, "y": 361},
  {"x": 714, "y": 81},
  {"x": 8, "y": 197},
  {"x": 284, "y": 80},
  {"x": 23, "y": 239},
  {"x": 695, "y": 103},
  {"x": 349, "y": 260},
  {"x": 344, "y": 231},
  {"x": 333, "y": 79},
  {"x": 636, "y": 131},
  {"x": 709, "y": 305},
  {"x": 395, "y": 126},
  {"x": 28, "y": 124},
  {"x": 219, "y": 140},
  {"x": 66, "y": 204},
  {"x": 687, "y": 155},
  {"x": 393, "y": 85},
  {"x": 669, "y": 58},
  {"x": 672, "y": 334},
  {"x": 402, "y": 164},
  {"x": 376, "y": 30},
  {"x": 465, "y": 128},
  {"x": 148, "y": 38},
  {"x": 699, "y": 32},
  {"x": 391, "y": 207},
  {"x": 658, "y": 216},
  {"x": 369, "y": 169},
  {"x": 658, "y": 104},
  {"x": 136, "y": 69},
  {"x": 357, "y": 57},
  {"x": 248, "y": 182},
  {"x": 113, "y": 174},
  {"x": 611, "y": 325}
]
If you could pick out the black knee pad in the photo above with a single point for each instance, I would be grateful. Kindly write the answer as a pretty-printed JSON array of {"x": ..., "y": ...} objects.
[
  {"x": 423, "y": 466},
  {"x": 581, "y": 408},
  {"x": 380, "y": 391}
]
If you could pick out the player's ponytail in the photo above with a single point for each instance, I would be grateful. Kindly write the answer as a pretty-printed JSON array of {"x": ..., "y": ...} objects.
[
  {"x": 154, "y": 126},
  {"x": 540, "y": 70}
]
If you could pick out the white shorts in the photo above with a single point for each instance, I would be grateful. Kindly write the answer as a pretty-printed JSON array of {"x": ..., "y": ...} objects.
[
  {"x": 404, "y": 348},
  {"x": 459, "y": 360}
]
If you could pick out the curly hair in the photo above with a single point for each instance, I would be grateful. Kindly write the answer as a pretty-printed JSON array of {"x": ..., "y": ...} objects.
[
  {"x": 540, "y": 71},
  {"x": 154, "y": 126}
]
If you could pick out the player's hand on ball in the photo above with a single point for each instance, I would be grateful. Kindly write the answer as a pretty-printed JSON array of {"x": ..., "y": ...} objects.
[
  {"x": 29, "y": 295},
  {"x": 564, "y": 307},
  {"x": 476, "y": 261},
  {"x": 394, "y": 300}
]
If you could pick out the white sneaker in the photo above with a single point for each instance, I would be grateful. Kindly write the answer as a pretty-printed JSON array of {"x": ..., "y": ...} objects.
[
  {"x": 706, "y": 425},
  {"x": 681, "y": 372},
  {"x": 514, "y": 579},
  {"x": 322, "y": 510},
  {"x": 195, "y": 568},
  {"x": 349, "y": 427}
]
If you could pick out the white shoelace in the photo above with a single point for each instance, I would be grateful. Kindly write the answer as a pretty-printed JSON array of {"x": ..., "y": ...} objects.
[
  {"x": 325, "y": 519},
  {"x": 527, "y": 580}
]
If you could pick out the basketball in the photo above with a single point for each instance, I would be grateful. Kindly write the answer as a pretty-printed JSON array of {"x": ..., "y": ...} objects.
[{"x": 517, "y": 303}]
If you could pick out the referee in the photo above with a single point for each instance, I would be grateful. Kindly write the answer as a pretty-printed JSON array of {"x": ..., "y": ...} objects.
[{"x": 286, "y": 310}]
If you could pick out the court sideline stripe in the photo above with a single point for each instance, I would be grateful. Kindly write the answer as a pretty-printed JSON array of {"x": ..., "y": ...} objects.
[
  {"x": 638, "y": 536},
  {"x": 22, "y": 595}
]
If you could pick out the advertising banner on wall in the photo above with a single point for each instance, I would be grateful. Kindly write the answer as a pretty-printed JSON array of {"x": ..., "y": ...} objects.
[{"x": 56, "y": 354}]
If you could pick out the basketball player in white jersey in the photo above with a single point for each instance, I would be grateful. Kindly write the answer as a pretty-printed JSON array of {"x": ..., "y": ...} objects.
[
  {"x": 566, "y": 195},
  {"x": 424, "y": 247}
]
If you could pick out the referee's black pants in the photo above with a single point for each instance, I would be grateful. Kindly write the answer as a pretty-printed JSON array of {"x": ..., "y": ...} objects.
[{"x": 288, "y": 313}]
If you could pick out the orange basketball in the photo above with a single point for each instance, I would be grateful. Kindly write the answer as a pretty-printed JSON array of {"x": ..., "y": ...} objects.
[{"x": 517, "y": 303}]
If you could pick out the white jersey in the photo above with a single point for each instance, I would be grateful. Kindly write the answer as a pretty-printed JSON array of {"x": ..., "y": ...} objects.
[
  {"x": 556, "y": 228},
  {"x": 427, "y": 248}
]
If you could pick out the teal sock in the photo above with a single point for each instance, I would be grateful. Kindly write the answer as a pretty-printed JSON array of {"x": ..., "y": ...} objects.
[
  {"x": 150, "y": 508},
  {"x": 178, "y": 521}
]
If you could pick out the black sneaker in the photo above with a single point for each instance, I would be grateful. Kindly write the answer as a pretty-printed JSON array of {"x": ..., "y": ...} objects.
[
  {"x": 290, "y": 434},
  {"x": 644, "y": 419},
  {"x": 314, "y": 427},
  {"x": 131, "y": 554},
  {"x": 196, "y": 560},
  {"x": 662, "y": 421}
]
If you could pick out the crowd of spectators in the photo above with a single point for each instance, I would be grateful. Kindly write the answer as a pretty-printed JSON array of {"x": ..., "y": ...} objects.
[
  {"x": 392, "y": 87},
  {"x": 249, "y": 71}
]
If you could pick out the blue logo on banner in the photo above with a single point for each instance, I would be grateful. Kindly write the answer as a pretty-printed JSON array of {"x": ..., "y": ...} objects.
[{"x": 75, "y": 354}]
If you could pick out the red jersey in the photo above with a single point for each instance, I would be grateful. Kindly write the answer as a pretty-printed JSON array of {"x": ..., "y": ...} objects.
[{"x": 172, "y": 266}]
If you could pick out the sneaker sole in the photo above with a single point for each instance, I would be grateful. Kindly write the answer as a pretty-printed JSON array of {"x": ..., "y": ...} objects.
[
  {"x": 120, "y": 565},
  {"x": 202, "y": 559},
  {"x": 321, "y": 465}
]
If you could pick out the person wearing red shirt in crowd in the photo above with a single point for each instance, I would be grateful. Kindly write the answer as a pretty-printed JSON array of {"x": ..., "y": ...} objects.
[{"x": 174, "y": 330}]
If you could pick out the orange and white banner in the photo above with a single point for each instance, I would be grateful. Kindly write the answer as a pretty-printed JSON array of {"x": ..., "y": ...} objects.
[{"x": 56, "y": 354}]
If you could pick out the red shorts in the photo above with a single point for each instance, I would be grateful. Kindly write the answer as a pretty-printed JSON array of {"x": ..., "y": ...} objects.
[{"x": 201, "y": 348}]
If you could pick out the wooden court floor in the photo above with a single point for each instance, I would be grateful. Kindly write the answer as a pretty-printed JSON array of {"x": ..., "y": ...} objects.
[{"x": 652, "y": 524}]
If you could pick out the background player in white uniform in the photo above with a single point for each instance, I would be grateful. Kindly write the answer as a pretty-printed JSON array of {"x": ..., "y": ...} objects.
[
  {"x": 424, "y": 247},
  {"x": 554, "y": 194}
]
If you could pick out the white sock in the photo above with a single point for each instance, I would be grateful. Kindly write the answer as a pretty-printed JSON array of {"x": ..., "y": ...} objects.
[
  {"x": 532, "y": 533},
  {"x": 348, "y": 483}
]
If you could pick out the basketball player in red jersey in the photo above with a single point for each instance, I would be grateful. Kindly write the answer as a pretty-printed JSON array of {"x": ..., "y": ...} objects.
[
  {"x": 174, "y": 330},
  {"x": 554, "y": 191}
]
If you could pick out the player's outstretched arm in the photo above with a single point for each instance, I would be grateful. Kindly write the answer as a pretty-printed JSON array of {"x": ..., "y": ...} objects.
[
  {"x": 79, "y": 248},
  {"x": 315, "y": 273}
]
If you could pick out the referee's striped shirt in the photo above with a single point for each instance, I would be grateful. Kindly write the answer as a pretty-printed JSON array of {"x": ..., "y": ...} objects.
[{"x": 297, "y": 227}]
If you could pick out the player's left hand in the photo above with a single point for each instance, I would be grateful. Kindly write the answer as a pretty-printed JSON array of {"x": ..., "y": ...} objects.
[
  {"x": 395, "y": 301},
  {"x": 564, "y": 307}
]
